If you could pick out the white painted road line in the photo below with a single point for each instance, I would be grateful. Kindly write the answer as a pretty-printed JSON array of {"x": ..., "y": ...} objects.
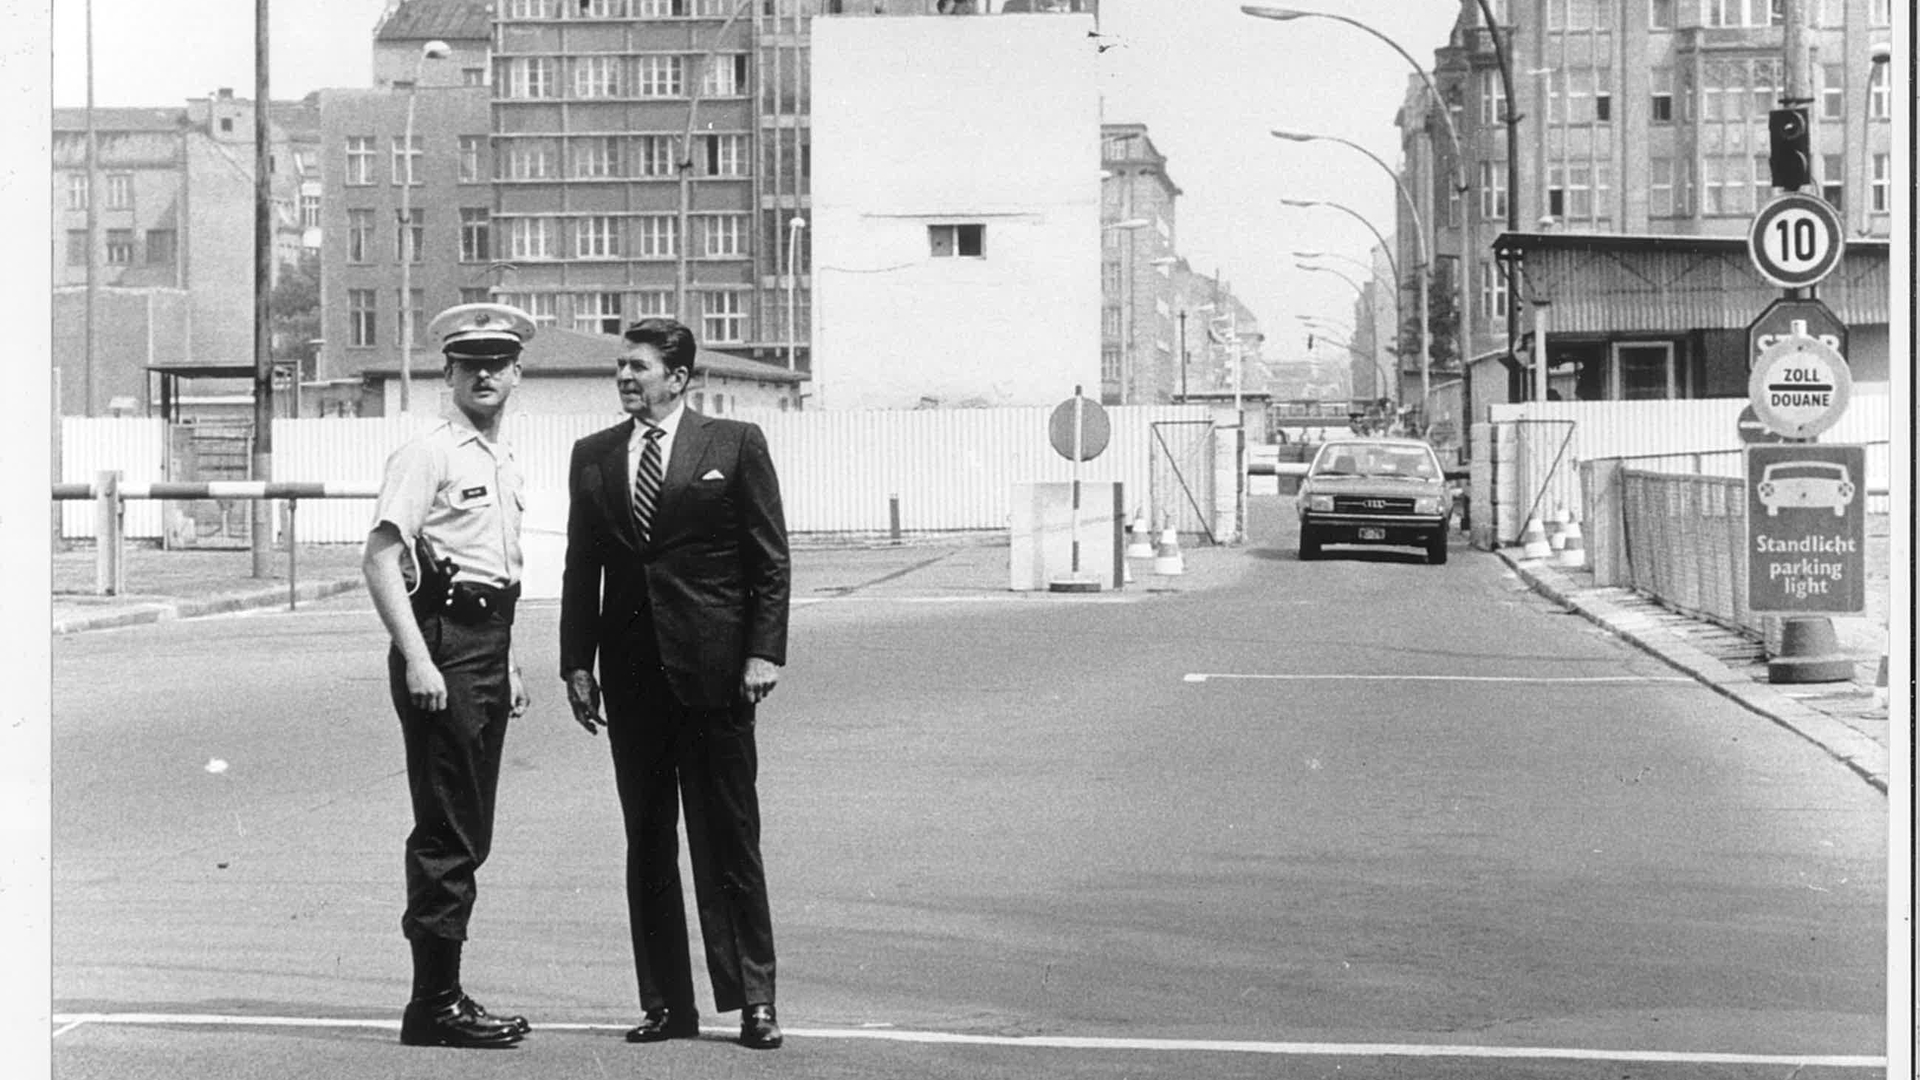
[
  {"x": 1570, "y": 680},
  {"x": 1070, "y": 1042}
]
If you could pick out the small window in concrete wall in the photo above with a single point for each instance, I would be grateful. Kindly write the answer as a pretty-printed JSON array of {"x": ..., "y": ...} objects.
[{"x": 949, "y": 241}]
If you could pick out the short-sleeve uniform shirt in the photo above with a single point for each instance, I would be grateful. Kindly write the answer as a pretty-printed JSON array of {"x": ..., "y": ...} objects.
[{"x": 464, "y": 494}]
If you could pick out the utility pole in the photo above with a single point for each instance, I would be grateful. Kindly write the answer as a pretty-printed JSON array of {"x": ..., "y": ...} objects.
[
  {"x": 93, "y": 226},
  {"x": 262, "y": 530}
]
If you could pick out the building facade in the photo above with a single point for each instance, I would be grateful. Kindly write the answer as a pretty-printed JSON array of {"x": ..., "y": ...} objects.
[
  {"x": 1138, "y": 239},
  {"x": 937, "y": 286}
]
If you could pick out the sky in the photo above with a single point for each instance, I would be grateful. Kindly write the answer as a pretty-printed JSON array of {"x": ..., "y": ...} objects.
[{"x": 1208, "y": 81}]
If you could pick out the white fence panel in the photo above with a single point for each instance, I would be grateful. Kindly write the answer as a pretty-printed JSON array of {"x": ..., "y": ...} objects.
[
  {"x": 1680, "y": 433},
  {"x": 136, "y": 446}
]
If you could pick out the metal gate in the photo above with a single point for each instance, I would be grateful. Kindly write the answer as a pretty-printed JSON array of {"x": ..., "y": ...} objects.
[
  {"x": 203, "y": 452},
  {"x": 1181, "y": 476}
]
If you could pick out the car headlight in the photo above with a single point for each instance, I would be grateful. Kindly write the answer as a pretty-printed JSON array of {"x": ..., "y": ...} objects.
[
  {"x": 1320, "y": 504},
  {"x": 1430, "y": 504}
]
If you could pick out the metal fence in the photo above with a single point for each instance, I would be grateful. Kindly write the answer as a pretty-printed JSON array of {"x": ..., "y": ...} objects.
[{"x": 1684, "y": 543}]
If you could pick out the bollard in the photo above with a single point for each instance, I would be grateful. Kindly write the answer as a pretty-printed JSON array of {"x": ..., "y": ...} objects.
[
  {"x": 293, "y": 555},
  {"x": 893, "y": 518},
  {"x": 109, "y": 570}
]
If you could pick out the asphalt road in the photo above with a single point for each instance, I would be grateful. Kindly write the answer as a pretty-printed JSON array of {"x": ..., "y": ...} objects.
[{"x": 1360, "y": 816}]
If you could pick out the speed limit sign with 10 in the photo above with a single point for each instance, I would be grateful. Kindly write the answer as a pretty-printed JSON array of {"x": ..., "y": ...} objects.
[{"x": 1796, "y": 240}]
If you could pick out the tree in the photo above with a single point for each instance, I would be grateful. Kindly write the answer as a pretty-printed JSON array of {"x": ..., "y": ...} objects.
[
  {"x": 1443, "y": 323},
  {"x": 293, "y": 310}
]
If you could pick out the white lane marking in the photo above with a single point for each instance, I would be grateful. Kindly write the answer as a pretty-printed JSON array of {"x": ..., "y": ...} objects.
[
  {"x": 1197, "y": 677},
  {"x": 1010, "y": 598},
  {"x": 1073, "y": 1042}
]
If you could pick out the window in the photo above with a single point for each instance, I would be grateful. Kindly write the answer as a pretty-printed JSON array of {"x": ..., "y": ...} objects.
[
  {"x": 1110, "y": 320},
  {"x": 527, "y": 77},
  {"x": 120, "y": 246},
  {"x": 1660, "y": 178},
  {"x": 597, "y": 313},
  {"x": 478, "y": 295},
  {"x": 722, "y": 233},
  {"x": 1833, "y": 91},
  {"x": 473, "y": 76},
  {"x": 725, "y": 319},
  {"x": 1644, "y": 372},
  {"x": 1110, "y": 278},
  {"x": 649, "y": 302},
  {"x": 1109, "y": 365},
  {"x": 603, "y": 9},
  {"x": 359, "y": 236},
  {"x": 532, "y": 159},
  {"x": 1660, "y": 15},
  {"x": 1879, "y": 12},
  {"x": 470, "y": 170},
  {"x": 725, "y": 76},
  {"x": 77, "y": 191},
  {"x": 161, "y": 247},
  {"x": 1878, "y": 190},
  {"x": 76, "y": 247},
  {"x": 309, "y": 209},
  {"x": 1879, "y": 92},
  {"x": 475, "y": 227},
  {"x": 659, "y": 9},
  {"x": 538, "y": 306},
  {"x": 412, "y": 317},
  {"x": 119, "y": 191},
  {"x": 1493, "y": 293},
  {"x": 359, "y": 160},
  {"x": 659, "y": 76},
  {"x": 653, "y": 155},
  {"x": 1833, "y": 171},
  {"x": 597, "y": 158},
  {"x": 598, "y": 77},
  {"x": 1741, "y": 12},
  {"x": 658, "y": 233},
  {"x": 409, "y": 234},
  {"x": 596, "y": 238},
  {"x": 1493, "y": 191},
  {"x": 531, "y": 9},
  {"x": 1493, "y": 102},
  {"x": 530, "y": 238},
  {"x": 406, "y": 159},
  {"x": 725, "y": 155},
  {"x": 948, "y": 241},
  {"x": 1662, "y": 80},
  {"x": 1762, "y": 181},
  {"x": 361, "y": 324}
]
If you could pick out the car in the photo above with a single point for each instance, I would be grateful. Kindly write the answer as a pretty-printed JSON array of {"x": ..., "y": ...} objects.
[
  {"x": 1375, "y": 490},
  {"x": 1822, "y": 485}
]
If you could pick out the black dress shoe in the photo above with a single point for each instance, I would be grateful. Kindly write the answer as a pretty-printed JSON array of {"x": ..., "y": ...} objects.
[
  {"x": 517, "y": 1023},
  {"x": 449, "y": 1020},
  {"x": 663, "y": 1023},
  {"x": 759, "y": 1029}
]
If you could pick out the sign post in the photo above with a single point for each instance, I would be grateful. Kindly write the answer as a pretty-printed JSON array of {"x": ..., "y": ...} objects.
[{"x": 1079, "y": 430}]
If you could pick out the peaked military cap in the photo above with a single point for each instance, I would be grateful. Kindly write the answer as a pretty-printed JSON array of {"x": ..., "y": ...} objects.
[{"x": 481, "y": 331}]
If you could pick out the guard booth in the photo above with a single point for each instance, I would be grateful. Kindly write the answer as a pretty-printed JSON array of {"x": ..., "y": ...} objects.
[{"x": 205, "y": 449}]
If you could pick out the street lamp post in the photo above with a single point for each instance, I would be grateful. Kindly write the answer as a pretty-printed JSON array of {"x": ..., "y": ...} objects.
[
  {"x": 793, "y": 281},
  {"x": 432, "y": 50},
  {"x": 1463, "y": 278},
  {"x": 1372, "y": 318},
  {"x": 1420, "y": 284},
  {"x": 1881, "y": 55}
]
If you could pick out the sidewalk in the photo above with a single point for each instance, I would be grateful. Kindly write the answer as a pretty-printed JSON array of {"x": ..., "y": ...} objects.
[{"x": 1848, "y": 720}]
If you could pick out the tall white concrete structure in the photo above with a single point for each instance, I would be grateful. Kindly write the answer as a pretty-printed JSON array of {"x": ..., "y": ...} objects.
[{"x": 956, "y": 212}]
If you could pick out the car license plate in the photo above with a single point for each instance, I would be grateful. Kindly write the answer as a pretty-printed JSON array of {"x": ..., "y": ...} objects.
[{"x": 1373, "y": 534}]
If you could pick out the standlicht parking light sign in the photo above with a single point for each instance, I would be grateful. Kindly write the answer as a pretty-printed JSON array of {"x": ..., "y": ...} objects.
[{"x": 1806, "y": 529}]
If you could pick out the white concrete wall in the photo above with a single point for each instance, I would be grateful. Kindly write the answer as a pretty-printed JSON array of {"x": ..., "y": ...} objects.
[{"x": 919, "y": 122}]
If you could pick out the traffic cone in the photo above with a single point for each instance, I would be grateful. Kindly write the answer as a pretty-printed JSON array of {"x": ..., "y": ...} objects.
[
  {"x": 1557, "y": 529},
  {"x": 1138, "y": 546},
  {"x": 1126, "y": 572},
  {"x": 1573, "y": 549},
  {"x": 1880, "y": 684},
  {"x": 1533, "y": 542},
  {"x": 1168, "y": 561}
]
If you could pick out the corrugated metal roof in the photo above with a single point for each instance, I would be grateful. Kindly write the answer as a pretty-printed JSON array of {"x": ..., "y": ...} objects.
[
  {"x": 120, "y": 119},
  {"x": 1685, "y": 284},
  {"x": 422, "y": 20}
]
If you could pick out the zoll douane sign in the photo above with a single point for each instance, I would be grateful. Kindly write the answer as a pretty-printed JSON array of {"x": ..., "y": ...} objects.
[
  {"x": 1806, "y": 529},
  {"x": 1799, "y": 387}
]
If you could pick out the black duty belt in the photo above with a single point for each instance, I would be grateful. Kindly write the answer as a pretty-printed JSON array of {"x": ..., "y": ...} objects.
[{"x": 472, "y": 602}]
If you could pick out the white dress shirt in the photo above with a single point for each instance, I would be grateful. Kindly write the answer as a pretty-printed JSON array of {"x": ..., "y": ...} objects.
[{"x": 637, "y": 441}]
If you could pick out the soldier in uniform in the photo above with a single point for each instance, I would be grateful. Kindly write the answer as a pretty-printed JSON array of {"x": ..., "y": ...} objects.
[{"x": 442, "y": 564}]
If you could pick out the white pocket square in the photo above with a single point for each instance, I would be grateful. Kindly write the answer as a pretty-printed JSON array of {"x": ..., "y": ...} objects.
[{"x": 713, "y": 474}]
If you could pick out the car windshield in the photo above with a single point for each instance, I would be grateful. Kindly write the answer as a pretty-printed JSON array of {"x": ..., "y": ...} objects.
[{"x": 1410, "y": 462}]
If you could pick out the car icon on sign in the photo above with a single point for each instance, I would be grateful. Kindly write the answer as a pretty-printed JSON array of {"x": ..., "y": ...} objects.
[{"x": 1805, "y": 484}]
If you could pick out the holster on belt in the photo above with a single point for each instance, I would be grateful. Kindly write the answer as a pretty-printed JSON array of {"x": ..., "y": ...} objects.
[{"x": 466, "y": 602}]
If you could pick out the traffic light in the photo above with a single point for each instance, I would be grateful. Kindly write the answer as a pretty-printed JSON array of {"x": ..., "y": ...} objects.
[
  {"x": 1789, "y": 151},
  {"x": 1309, "y": 342}
]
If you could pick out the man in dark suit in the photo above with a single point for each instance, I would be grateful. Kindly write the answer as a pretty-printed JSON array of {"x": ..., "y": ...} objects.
[{"x": 677, "y": 581}]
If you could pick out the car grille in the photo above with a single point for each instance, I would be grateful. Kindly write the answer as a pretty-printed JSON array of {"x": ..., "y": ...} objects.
[{"x": 1371, "y": 504}]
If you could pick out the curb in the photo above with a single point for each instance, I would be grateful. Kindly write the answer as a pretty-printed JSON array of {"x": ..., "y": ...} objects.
[
  {"x": 1857, "y": 752},
  {"x": 165, "y": 611}
]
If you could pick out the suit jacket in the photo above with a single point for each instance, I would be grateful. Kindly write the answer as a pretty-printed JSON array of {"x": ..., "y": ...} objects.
[{"x": 714, "y": 575}]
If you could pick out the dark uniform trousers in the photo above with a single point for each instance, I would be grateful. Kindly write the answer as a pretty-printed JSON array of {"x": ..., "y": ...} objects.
[
  {"x": 453, "y": 769},
  {"x": 663, "y": 752}
]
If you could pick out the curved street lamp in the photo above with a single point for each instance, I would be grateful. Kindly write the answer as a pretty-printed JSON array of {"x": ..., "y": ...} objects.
[
  {"x": 432, "y": 50},
  {"x": 1380, "y": 375}
]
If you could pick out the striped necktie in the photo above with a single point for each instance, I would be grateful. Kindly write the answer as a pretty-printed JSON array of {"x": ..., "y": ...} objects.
[{"x": 646, "y": 484}]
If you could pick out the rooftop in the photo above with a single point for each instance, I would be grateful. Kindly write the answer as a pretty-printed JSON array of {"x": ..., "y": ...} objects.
[{"x": 423, "y": 20}]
